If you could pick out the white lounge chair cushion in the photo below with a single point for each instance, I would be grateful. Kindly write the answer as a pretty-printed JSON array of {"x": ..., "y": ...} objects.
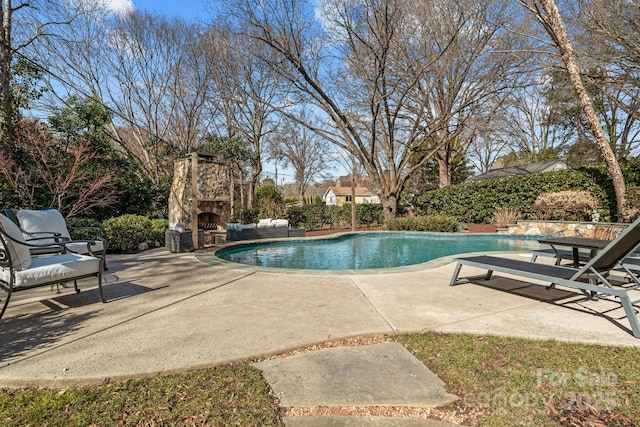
[
  {"x": 20, "y": 254},
  {"x": 46, "y": 269},
  {"x": 42, "y": 223}
]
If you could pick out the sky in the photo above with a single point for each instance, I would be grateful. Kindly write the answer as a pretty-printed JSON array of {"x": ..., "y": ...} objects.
[{"x": 189, "y": 9}]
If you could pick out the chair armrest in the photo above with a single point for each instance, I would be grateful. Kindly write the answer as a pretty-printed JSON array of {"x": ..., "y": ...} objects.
[
  {"x": 35, "y": 249},
  {"x": 31, "y": 245},
  {"x": 89, "y": 243}
]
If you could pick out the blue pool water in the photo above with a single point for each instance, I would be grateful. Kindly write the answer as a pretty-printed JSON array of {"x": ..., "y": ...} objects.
[{"x": 359, "y": 251}]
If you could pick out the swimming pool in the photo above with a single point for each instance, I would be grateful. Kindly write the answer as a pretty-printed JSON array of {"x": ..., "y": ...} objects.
[{"x": 365, "y": 251}]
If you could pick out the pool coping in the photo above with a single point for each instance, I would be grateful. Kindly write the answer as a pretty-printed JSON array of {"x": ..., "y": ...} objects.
[{"x": 208, "y": 256}]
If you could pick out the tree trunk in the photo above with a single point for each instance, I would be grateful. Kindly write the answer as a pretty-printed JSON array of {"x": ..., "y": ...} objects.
[
  {"x": 232, "y": 198},
  {"x": 561, "y": 38},
  {"x": 444, "y": 166},
  {"x": 254, "y": 183},
  {"x": 389, "y": 206},
  {"x": 6, "y": 55},
  {"x": 353, "y": 198}
]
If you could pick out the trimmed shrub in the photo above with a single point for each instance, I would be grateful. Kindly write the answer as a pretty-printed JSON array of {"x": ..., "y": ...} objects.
[
  {"x": 566, "y": 205},
  {"x": 124, "y": 233},
  {"x": 436, "y": 222},
  {"x": 296, "y": 216},
  {"x": 156, "y": 233},
  {"x": 317, "y": 216},
  {"x": 369, "y": 214}
]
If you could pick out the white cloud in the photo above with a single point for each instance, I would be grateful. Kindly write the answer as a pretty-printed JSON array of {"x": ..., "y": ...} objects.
[
  {"x": 119, "y": 6},
  {"x": 113, "y": 6}
]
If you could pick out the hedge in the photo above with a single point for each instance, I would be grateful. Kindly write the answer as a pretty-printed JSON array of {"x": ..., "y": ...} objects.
[
  {"x": 316, "y": 217},
  {"x": 125, "y": 233},
  {"x": 475, "y": 202}
]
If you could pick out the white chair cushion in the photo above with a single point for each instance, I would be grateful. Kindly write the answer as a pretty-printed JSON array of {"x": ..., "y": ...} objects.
[
  {"x": 280, "y": 222},
  {"x": 20, "y": 254},
  {"x": 42, "y": 223},
  {"x": 264, "y": 223},
  {"x": 53, "y": 268},
  {"x": 81, "y": 247}
]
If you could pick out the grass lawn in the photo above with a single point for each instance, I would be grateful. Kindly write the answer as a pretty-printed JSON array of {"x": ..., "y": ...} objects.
[{"x": 501, "y": 382}]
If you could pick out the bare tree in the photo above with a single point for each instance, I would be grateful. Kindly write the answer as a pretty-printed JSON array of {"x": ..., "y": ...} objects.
[
  {"x": 303, "y": 150},
  {"x": 247, "y": 91},
  {"x": 611, "y": 41},
  {"x": 162, "y": 85},
  {"x": 148, "y": 69},
  {"x": 528, "y": 123},
  {"x": 611, "y": 35},
  {"x": 611, "y": 104},
  {"x": 474, "y": 72},
  {"x": 23, "y": 22},
  {"x": 361, "y": 67},
  {"x": 548, "y": 14}
]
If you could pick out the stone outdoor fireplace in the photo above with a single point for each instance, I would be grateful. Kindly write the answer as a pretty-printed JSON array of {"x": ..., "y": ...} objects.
[{"x": 201, "y": 200}]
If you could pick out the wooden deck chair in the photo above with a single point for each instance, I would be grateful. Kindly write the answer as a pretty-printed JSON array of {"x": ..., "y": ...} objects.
[{"x": 591, "y": 278}]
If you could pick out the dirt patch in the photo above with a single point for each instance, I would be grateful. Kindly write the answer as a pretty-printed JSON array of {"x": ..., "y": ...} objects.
[
  {"x": 480, "y": 228},
  {"x": 332, "y": 231},
  {"x": 470, "y": 228}
]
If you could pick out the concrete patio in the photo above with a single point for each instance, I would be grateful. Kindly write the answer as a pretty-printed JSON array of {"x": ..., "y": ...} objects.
[{"x": 171, "y": 312}]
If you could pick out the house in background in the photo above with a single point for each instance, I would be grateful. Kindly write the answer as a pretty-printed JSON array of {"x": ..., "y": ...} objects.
[
  {"x": 548, "y": 166},
  {"x": 338, "y": 196}
]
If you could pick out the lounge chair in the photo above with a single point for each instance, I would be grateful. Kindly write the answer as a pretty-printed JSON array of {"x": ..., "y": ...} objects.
[
  {"x": 20, "y": 271},
  {"x": 560, "y": 255},
  {"x": 49, "y": 226},
  {"x": 591, "y": 278}
]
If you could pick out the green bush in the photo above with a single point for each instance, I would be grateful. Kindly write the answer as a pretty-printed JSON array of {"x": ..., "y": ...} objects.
[
  {"x": 247, "y": 216},
  {"x": 369, "y": 214},
  {"x": 476, "y": 202},
  {"x": 296, "y": 216},
  {"x": 124, "y": 233},
  {"x": 78, "y": 230},
  {"x": 156, "y": 233},
  {"x": 318, "y": 216},
  {"x": 269, "y": 203},
  {"x": 436, "y": 222},
  {"x": 315, "y": 217}
]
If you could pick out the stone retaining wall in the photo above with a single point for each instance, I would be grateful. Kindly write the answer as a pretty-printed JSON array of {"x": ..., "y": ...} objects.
[{"x": 594, "y": 230}]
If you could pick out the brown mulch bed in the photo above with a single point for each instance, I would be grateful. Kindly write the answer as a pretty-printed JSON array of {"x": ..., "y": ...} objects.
[
  {"x": 481, "y": 228},
  {"x": 332, "y": 231}
]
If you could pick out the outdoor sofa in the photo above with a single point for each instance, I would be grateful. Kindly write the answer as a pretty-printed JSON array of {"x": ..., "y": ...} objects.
[{"x": 264, "y": 229}]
